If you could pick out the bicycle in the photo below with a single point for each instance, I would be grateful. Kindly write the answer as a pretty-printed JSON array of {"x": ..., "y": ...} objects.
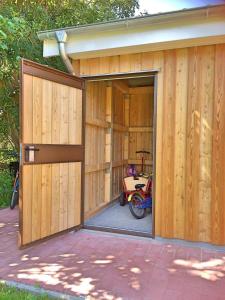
[
  {"x": 15, "y": 195},
  {"x": 139, "y": 201}
]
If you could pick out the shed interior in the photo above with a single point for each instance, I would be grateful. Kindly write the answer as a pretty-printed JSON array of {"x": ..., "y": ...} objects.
[{"x": 119, "y": 122}]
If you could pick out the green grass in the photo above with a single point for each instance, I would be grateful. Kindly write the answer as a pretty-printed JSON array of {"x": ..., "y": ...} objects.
[
  {"x": 10, "y": 293},
  {"x": 5, "y": 188}
]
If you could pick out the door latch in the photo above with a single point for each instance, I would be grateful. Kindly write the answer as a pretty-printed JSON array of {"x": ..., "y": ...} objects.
[{"x": 29, "y": 153}]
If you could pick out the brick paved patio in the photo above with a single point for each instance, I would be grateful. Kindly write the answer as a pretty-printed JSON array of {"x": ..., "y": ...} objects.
[{"x": 105, "y": 266}]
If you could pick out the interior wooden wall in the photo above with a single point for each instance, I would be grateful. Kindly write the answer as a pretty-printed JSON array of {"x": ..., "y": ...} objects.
[
  {"x": 190, "y": 156},
  {"x": 141, "y": 104},
  {"x": 95, "y": 165},
  {"x": 119, "y": 129}
]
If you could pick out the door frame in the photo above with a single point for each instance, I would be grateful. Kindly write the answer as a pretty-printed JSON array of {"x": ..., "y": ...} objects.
[
  {"x": 118, "y": 76},
  {"x": 38, "y": 70}
]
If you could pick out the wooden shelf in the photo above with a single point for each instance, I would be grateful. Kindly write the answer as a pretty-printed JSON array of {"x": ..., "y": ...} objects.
[
  {"x": 119, "y": 163},
  {"x": 96, "y": 168},
  {"x": 138, "y": 162},
  {"x": 140, "y": 129},
  {"x": 97, "y": 123}
]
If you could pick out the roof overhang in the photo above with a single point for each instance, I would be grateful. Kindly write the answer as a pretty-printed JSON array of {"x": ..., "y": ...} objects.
[{"x": 186, "y": 28}]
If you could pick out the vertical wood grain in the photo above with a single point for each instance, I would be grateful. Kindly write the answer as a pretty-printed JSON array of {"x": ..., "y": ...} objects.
[
  {"x": 46, "y": 200},
  {"x": 218, "y": 150},
  {"x": 181, "y": 77},
  {"x": 55, "y": 207},
  {"x": 193, "y": 146},
  {"x": 168, "y": 145},
  {"x": 74, "y": 194},
  {"x": 64, "y": 195},
  {"x": 206, "y": 94},
  {"x": 37, "y": 109},
  {"x": 28, "y": 109},
  {"x": 36, "y": 201},
  {"x": 27, "y": 205}
]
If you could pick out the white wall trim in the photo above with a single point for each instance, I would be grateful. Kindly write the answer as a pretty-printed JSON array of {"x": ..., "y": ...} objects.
[{"x": 144, "y": 37}]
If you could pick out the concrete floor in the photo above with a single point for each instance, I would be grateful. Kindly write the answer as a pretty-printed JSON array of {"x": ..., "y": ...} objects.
[
  {"x": 105, "y": 266},
  {"x": 120, "y": 217}
]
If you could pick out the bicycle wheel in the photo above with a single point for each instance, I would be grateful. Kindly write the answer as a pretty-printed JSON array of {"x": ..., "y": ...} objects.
[
  {"x": 122, "y": 199},
  {"x": 134, "y": 206},
  {"x": 15, "y": 197}
]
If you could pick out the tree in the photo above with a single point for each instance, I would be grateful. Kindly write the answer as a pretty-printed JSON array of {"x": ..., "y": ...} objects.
[{"x": 19, "y": 22}]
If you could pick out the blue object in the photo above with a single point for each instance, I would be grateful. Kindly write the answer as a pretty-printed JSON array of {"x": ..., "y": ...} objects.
[{"x": 147, "y": 203}]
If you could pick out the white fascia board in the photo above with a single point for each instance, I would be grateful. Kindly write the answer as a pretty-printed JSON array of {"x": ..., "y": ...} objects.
[{"x": 141, "y": 38}]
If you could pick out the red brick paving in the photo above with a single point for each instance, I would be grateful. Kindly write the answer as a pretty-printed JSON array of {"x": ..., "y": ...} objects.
[{"x": 102, "y": 266}]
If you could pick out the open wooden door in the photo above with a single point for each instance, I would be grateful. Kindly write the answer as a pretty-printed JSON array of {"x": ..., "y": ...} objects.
[{"x": 52, "y": 152}]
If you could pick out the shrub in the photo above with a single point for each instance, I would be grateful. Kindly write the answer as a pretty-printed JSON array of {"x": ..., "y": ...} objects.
[{"x": 5, "y": 188}]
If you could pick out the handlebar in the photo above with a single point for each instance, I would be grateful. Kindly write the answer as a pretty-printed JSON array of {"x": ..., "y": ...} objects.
[{"x": 143, "y": 151}]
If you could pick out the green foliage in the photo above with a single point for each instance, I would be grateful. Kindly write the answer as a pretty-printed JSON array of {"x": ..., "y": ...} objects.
[
  {"x": 5, "y": 188},
  {"x": 9, "y": 293},
  {"x": 19, "y": 22}
]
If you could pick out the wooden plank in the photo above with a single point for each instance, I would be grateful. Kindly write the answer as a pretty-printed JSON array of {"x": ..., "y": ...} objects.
[
  {"x": 124, "y": 63},
  {"x": 206, "y": 91},
  {"x": 76, "y": 66},
  {"x": 121, "y": 85},
  {"x": 138, "y": 162},
  {"x": 104, "y": 64},
  {"x": 143, "y": 90},
  {"x": 218, "y": 150},
  {"x": 193, "y": 145},
  {"x": 37, "y": 110},
  {"x": 95, "y": 168},
  {"x": 135, "y": 62},
  {"x": 180, "y": 141},
  {"x": 56, "y": 110},
  {"x": 64, "y": 195},
  {"x": 118, "y": 127},
  {"x": 95, "y": 151},
  {"x": 28, "y": 109},
  {"x": 109, "y": 104},
  {"x": 168, "y": 143},
  {"x": 119, "y": 163},
  {"x": 47, "y": 111},
  {"x": 94, "y": 65},
  {"x": 46, "y": 199},
  {"x": 141, "y": 109},
  {"x": 141, "y": 129},
  {"x": 114, "y": 66},
  {"x": 108, "y": 146},
  {"x": 118, "y": 106},
  {"x": 74, "y": 194},
  {"x": 36, "y": 202},
  {"x": 97, "y": 123},
  {"x": 107, "y": 186},
  {"x": 27, "y": 205},
  {"x": 147, "y": 61},
  {"x": 75, "y": 116},
  {"x": 64, "y": 114},
  {"x": 55, "y": 207}
]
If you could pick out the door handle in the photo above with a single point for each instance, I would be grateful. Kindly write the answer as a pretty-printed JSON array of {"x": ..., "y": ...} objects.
[
  {"x": 31, "y": 148},
  {"x": 29, "y": 153}
]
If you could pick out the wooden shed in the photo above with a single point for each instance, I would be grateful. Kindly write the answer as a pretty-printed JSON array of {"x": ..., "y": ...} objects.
[{"x": 155, "y": 82}]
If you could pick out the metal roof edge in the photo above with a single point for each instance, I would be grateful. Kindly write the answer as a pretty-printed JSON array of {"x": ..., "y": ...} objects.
[{"x": 119, "y": 23}]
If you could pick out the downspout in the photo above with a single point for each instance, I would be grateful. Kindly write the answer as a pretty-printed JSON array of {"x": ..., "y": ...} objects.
[{"x": 61, "y": 37}]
